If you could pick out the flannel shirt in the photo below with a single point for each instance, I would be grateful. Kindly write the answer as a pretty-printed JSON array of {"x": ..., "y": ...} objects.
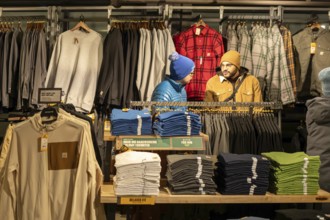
[
  {"x": 280, "y": 84},
  {"x": 288, "y": 47},
  {"x": 232, "y": 38},
  {"x": 259, "y": 55},
  {"x": 245, "y": 48},
  {"x": 204, "y": 46}
]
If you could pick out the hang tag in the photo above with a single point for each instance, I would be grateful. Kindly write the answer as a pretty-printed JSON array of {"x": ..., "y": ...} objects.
[
  {"x": 313, "y": 47},
  {"x": 44, "y": 142},
  {"x": 200, "y": 60},
  {"x": 198, "y": 31}
]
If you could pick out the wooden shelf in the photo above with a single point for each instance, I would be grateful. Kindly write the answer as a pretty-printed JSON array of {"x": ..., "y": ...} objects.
[{"x": 108, "y": 196}]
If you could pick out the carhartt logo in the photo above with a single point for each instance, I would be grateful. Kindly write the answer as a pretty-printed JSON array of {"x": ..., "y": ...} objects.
[{"x": 64, "y": 155}]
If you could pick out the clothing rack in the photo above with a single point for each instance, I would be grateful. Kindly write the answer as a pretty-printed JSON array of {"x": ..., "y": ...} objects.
[
  {"x": 277, "y": 106},
  {"x": 22, "y": 18}
]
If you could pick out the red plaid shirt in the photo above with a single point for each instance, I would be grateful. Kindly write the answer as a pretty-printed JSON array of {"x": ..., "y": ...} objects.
[{"x": 204, "y": 46}]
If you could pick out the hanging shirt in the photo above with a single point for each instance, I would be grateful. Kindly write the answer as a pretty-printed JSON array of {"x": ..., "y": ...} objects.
[
  {"x": 204, "y": 46},
  {"x": 319, "y": 60},
  {"x": 75, "y": 66}
]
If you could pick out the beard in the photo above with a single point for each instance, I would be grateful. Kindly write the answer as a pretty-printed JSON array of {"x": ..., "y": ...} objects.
[{"x": 229, "y": 74}]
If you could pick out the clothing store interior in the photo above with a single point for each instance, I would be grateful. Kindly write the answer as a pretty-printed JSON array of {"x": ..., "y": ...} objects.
[{"x": 197, "y": 110}]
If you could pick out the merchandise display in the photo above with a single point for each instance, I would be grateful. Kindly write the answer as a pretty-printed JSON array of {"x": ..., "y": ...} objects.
[
  {"x": 23, "y": 65},
  {"x": 138, "y": 173},
  {"x": 162, "y": 115},
  {"x": 177, "y": 123},
  {"x": 295, "y": 173},
  {"x": 190, "y": 174},
  {"x": 131, "y": 122},
  {"x": 257, "y": 134},
  {"x": 242, "y": 174}
]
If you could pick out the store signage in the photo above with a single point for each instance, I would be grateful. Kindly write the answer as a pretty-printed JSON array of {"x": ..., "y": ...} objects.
[
  {"x": 49, "y": 95},
  {"x": 161, "y": 143},
  {"x": 136, "y": 200}
]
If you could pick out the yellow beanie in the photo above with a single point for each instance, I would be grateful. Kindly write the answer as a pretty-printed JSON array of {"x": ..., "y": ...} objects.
[{"x": 232, "y": 57}]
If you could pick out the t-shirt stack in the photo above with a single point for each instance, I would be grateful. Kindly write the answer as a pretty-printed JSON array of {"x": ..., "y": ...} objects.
[
  {"x": 293, "y": 173},
  {"x": 137, "y": 173},
  {"x": 190, "y": 174},
  {"x": 242, "y": 174},
  {"x": 177, "y": 123},
  {"x": 131, "y": 122}
]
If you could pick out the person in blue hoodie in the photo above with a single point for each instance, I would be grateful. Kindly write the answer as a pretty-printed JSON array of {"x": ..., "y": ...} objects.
[
  {"x": 172, "y": 89},
  {"x": 318, "y": 128}
]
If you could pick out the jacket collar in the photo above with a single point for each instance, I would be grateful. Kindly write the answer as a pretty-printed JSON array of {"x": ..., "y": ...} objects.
[
  {"x": 242, "y": 72},
  {"x": 203, "y": 29},
  {"x": 176, "y": 85}
]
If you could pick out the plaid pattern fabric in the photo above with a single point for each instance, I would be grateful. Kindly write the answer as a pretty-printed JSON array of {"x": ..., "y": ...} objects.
[
  {"x": 245, "y": 49},
  {"x": 206, "y": 50},
  {"x": 259, "y": 54},
  {"x": 288, "y": 47},
  {"x": 280, "y": 87},
  {"x": 232, "y": 39}
]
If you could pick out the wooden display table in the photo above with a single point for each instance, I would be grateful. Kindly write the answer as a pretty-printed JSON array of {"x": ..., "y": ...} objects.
[{"x": 108, "y": 196}]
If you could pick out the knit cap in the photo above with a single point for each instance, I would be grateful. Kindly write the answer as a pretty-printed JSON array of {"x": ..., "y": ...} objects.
[
  {"x": 324, "y": 77},
  {"x": 180, "y": 66},
  {"x": 232, "y": 57}
]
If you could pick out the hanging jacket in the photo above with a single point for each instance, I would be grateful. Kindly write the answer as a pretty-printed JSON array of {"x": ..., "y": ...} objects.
[
  {"x": 320, "y": 59},
  {"x": 318, "y": 141}
]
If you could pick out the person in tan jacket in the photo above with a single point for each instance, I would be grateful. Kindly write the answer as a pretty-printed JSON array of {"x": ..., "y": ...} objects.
[{"x": 233, "y": 83}]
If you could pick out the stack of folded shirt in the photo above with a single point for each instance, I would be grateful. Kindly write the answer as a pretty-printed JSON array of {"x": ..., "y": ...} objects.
[
  {"x": 177, "y": 123},
  {"x": 293, "y": 173},
  {"x": 242, "y": 174},
  {"x": 190, "y": 174},
  {"x": 131, "y": 122},
  {"x": 137, "y": 173}
]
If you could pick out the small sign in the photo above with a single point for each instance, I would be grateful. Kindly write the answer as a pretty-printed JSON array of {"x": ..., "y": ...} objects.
[
  {"x": 136, "y": 200},
  {"x": 161, "y": 143},
  {"x": 49, "y": 95},
  {"x": 151, "y": 142}
]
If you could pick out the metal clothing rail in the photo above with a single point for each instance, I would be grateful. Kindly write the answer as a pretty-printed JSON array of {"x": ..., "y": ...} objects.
[
  {"x": 253, "y": 17},
  {"x": 272, "y": 105},
  {"x": 23, "y": 18}
]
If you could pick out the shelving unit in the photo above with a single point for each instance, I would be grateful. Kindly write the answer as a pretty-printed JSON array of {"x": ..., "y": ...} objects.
[{"x": 108, "y": 196}]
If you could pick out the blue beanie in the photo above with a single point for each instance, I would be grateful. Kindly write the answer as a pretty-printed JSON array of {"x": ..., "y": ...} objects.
[
  {"x": 180, "y": 66},
  {"x": 324, "y": 77}
]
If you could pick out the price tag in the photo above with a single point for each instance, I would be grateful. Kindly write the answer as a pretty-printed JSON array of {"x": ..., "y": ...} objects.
[
  {"x": 198, "y": 31},
  {"x": 136, "y": 200},
  {"x": 49, "y": 95},
  {"x": 44, "y": 143},
  {"x": 107, "y": 125},
  {"x": 313, "y": 47}
]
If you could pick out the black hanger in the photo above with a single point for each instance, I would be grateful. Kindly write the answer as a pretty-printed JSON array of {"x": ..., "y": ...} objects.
[{"x": 49, "y": 113}]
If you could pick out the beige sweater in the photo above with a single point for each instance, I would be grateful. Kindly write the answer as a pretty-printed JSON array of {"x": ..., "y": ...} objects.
[{"x": 60, "y": 183}]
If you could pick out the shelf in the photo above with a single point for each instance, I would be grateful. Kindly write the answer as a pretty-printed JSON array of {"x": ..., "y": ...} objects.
[{"x": 108, "y": 196}]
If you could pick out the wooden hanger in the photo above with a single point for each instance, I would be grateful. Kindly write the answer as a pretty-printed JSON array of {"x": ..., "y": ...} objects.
[
  {"x": 81, "y": 25},
  {"x": 200, "y": 21}
]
